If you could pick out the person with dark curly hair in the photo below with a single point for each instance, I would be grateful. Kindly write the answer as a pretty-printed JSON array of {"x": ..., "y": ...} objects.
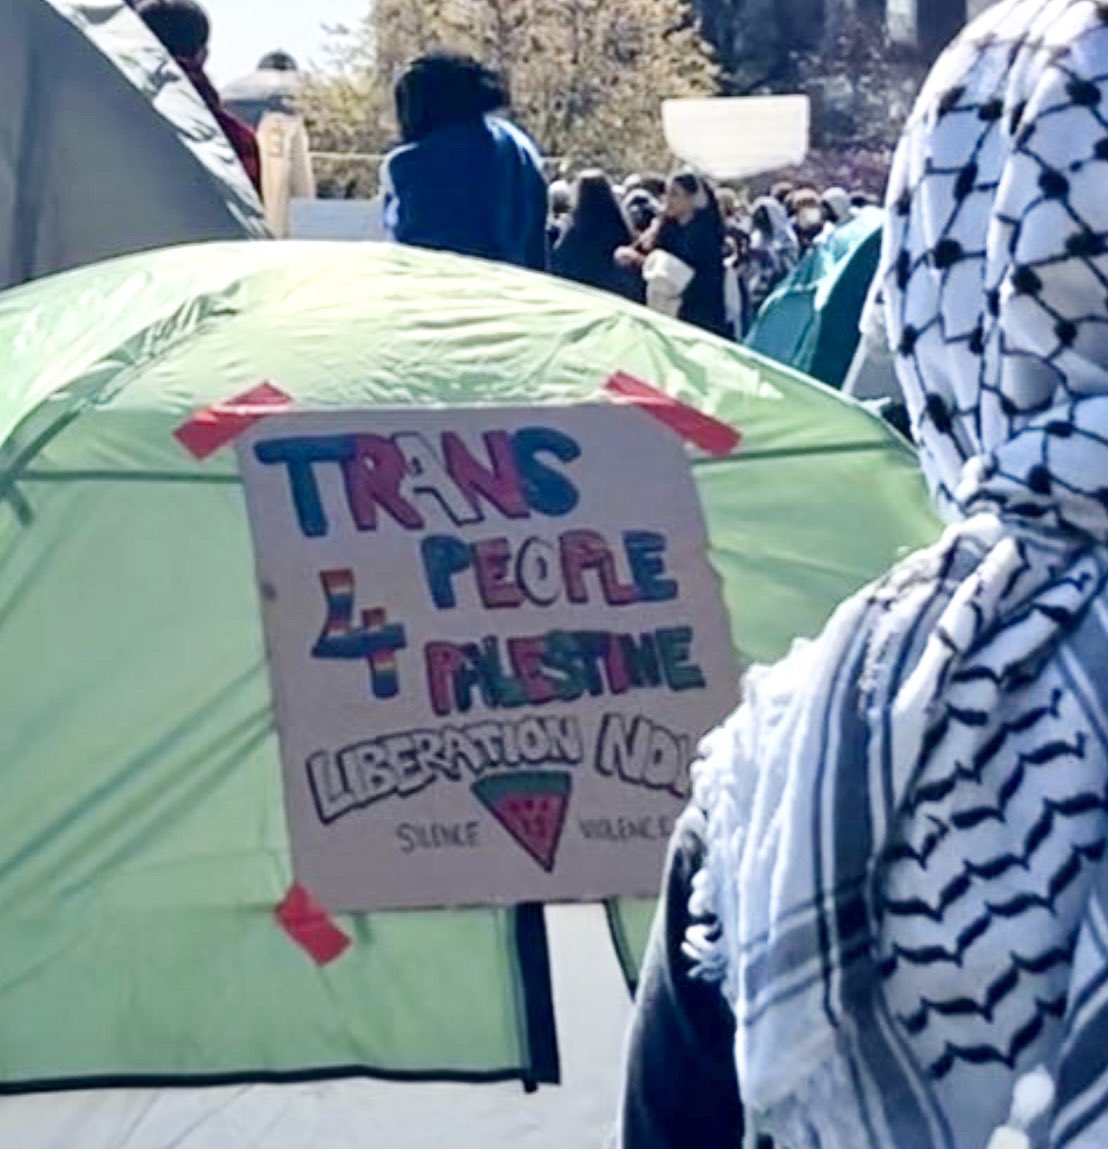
[{"x": 465, "y": 179}]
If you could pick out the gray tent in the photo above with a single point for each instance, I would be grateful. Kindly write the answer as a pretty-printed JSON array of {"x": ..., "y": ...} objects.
[{"x": 105, "y": 147}]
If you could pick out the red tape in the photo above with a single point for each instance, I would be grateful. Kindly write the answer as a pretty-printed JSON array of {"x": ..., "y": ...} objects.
[
  {"x": 216, "y": 426},
  {"x": 311, "y": 927},
  {"x": 710, "y": 435}
]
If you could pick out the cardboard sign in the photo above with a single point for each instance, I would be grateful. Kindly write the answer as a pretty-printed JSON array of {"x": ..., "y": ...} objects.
[{"x": 495, "y": 640}]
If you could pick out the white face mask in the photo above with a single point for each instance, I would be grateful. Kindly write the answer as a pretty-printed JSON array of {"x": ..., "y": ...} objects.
[{"x": 810, "y": 219}]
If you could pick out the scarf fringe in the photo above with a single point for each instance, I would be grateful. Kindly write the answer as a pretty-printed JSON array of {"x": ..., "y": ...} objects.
[
  {"x": 704, "y": 944},
  {"x": 822, "y": 1113},
  {"x": 724, "y": 788}
]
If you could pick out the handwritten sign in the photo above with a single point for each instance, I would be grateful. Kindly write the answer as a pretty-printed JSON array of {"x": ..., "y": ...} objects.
[{"x": 494, "y": 638}]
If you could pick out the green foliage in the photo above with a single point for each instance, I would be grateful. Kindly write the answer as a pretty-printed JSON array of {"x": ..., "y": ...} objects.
[{"x": 587, "y": 77}]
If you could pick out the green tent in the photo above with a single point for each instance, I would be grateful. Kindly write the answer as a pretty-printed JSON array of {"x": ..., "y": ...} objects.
[
  {"x": 811, "y": 320},
  {"x": 143, "y": 841}
]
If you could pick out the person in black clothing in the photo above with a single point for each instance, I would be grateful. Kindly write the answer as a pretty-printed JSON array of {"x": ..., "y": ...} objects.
[
  {"x": 597, "y": 229},
  {"x": 691, "y": 229},
  {"x": 681, "y": 1087}
]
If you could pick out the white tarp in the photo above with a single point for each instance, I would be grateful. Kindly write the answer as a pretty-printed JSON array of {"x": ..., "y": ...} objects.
[
  {"x": 105, "y": 147},
  {"x": 738, "y": 137}
]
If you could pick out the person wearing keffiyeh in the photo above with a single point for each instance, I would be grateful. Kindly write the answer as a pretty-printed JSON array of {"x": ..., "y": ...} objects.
[{"x": 885, "y": 923}]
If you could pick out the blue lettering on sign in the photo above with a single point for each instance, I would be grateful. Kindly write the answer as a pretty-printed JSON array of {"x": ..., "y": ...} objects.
[{"x": 402, "y": 473}]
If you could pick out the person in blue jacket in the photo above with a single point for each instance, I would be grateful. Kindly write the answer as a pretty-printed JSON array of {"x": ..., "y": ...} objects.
[{"x": 465, "y": 179}]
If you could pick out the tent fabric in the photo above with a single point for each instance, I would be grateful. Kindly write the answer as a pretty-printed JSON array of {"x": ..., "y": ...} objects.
[
  {"x": 105, "y": 147},
  {"x": 811, "y": 322},
  {"x": 143, "y": 842},
  {"x": 594, "y": 1012}
]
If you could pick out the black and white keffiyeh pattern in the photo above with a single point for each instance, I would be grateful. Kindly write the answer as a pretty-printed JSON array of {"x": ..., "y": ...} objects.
[{"x": 908, "y": 817}]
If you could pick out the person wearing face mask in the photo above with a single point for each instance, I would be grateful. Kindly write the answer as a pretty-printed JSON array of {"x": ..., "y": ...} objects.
[
  {"x": 885, "y": 919},
  {"x": 642, "y": 210},
  {"x": 683, "y": 254},
  {"x": 808, "y": 218}
]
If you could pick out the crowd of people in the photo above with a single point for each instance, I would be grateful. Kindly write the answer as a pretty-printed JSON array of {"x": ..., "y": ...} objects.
[{"x": 708, "y": 255}]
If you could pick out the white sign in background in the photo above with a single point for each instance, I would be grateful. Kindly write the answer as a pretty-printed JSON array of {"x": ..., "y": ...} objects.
[{"x": 495, "y": 640}]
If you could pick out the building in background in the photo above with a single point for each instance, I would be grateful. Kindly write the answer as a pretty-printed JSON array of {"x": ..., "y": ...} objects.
[
  {"x": 930, "y": 24},
  {"x": 756, "y": 39}
]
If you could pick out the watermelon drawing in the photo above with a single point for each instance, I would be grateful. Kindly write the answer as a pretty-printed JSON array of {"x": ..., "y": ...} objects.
[{"x": 532, "y": 807}]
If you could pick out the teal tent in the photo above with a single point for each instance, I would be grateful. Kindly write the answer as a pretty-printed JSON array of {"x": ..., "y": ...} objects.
[
  {"x": 811, "y": 320},
  {"x": 143, "y": 840}
]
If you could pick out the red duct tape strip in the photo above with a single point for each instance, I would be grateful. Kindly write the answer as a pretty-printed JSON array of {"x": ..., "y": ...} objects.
[
  {"x": 311, "y": 927},
  {"x": 216, "y": 426},
  {"x": 710, "y": 435}
]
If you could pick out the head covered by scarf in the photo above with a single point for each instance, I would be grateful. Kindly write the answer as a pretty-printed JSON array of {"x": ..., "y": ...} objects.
[
  {"x": 838, "y": 203},
  {"x": 771, "y": 224},
  {"x": 906, "y": 888}
]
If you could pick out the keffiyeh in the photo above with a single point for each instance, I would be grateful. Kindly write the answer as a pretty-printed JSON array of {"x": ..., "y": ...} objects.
[{"x": 907, "y": 819}]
